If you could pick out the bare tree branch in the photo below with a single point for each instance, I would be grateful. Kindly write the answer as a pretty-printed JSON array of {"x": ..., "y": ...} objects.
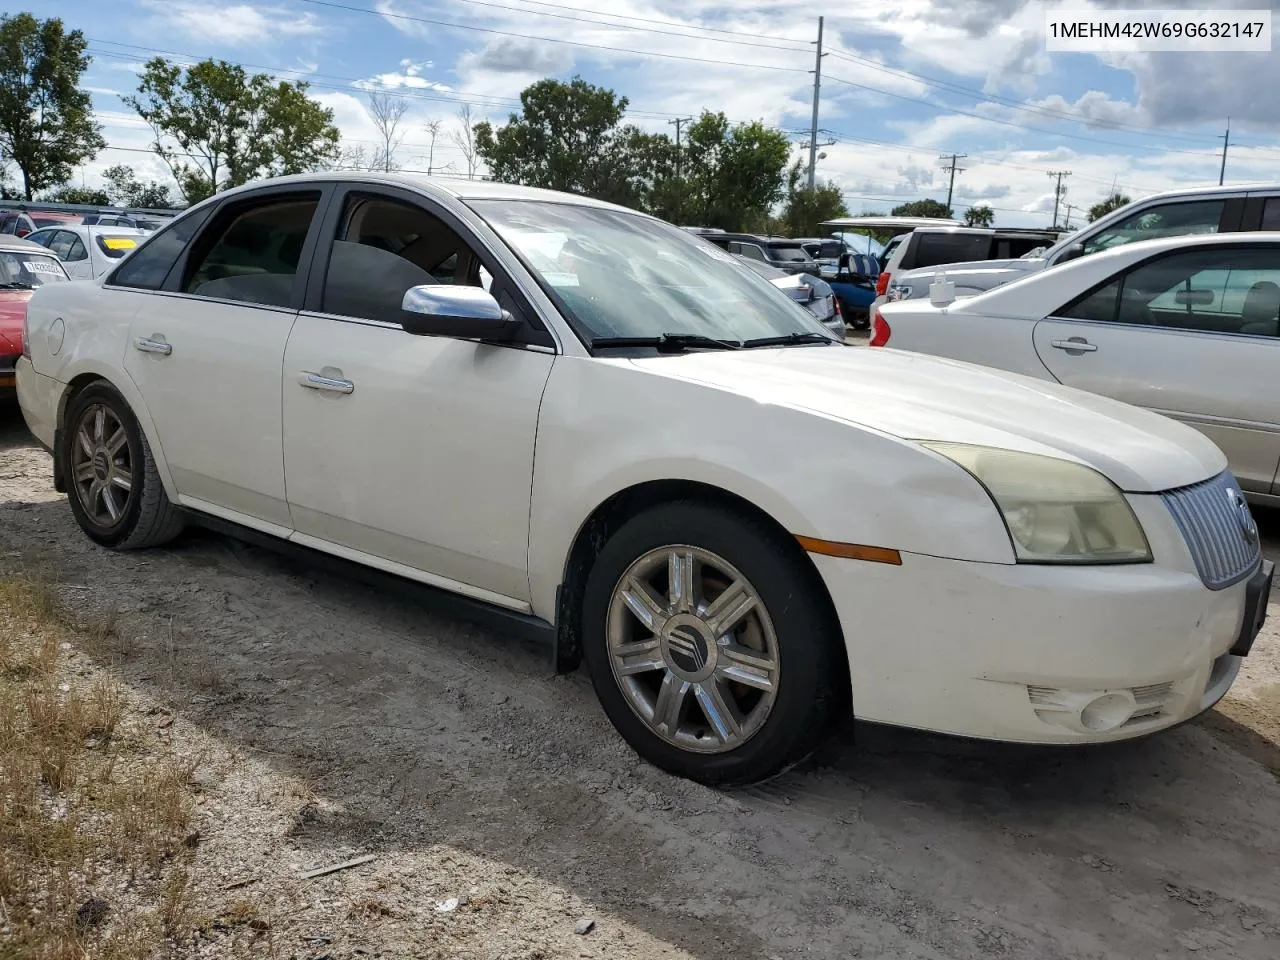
[
  {"x": 387, "y": 113},
  {"x": 465, "y": 140}
]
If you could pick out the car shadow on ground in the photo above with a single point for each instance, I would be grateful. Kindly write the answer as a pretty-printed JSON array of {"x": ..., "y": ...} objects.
[{"x": 422, "y": 731}]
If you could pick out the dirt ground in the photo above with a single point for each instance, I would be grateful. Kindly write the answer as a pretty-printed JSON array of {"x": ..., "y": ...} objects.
[{"x": 334, "y": 720}]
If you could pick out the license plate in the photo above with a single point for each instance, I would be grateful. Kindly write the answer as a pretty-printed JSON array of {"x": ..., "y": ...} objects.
[{"x": 1257, "y": 594}]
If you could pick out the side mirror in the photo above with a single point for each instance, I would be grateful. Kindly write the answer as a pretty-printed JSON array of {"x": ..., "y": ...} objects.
[
  {"x": 1072, "y": 252},
  {"x": 443, "y": 310}
]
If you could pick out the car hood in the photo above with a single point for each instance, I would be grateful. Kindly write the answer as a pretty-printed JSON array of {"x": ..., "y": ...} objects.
[{"x": 918, "y": 397}]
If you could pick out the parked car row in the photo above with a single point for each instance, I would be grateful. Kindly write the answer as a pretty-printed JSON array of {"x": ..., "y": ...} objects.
[
  {"x": 24, "y": 267},
  {"x": 364, "y": 365}
]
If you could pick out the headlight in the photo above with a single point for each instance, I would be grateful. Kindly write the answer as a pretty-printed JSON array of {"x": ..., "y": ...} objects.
[{"x": 1056, "y": 511}]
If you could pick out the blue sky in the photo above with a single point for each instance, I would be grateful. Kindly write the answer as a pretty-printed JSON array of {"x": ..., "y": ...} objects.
[{"x": 905, "y": 81}]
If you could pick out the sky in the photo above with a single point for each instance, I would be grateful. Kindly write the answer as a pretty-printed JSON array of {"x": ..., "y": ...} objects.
[{"x": 904, "y": 82}]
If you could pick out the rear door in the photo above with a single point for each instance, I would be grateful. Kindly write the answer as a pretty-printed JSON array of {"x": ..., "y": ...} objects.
[
  {"x": 1193, "y": 334},
  {"x": 206, "y": 352}
]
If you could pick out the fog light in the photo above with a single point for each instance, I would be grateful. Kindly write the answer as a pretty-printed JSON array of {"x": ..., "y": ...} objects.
[{"x": 1107, "y": 712}]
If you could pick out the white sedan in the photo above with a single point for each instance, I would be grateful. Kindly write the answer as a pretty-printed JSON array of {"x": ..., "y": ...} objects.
[
  {"x": 1186, "y": 326},
  {"x": 611, "y": 431},
  {"x": 88, "y": 252}
]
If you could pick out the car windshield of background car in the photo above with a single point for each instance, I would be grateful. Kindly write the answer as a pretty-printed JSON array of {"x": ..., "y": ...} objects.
[
  {"x": 626, "y": 275},
  {"x": 20, "y": 270}
]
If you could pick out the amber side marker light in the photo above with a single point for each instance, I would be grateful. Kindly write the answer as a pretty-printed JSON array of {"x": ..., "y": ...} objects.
[{"x": 850, "y": 551}]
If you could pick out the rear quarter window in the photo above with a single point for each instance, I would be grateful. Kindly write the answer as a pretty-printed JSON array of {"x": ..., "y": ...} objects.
[{"x": 935, "y": 249}]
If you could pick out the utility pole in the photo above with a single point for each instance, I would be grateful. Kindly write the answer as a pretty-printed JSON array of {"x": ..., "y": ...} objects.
[
  {"x": 813, "y": 128},
  {"x": 1070, "y": 207},
  {"x": 1226, "y": 137},
  {"x": 951, "y": 184},
  {"x": 1058, "y": 192},
  {"x": 679, "y": 122}
]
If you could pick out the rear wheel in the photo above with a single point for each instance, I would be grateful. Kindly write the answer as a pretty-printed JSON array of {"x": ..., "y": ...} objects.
[
  {"x": 711, "y": 647},
  {"x": 112, "y": 482}
]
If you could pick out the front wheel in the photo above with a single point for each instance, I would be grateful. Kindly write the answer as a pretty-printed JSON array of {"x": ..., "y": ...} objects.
[
  {"x": 112, "y": 482},
  {"x": 711, "y": 646}
]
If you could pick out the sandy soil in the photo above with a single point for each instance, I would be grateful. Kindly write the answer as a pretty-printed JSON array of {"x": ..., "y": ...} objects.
[{"x": 337, "y": 720}]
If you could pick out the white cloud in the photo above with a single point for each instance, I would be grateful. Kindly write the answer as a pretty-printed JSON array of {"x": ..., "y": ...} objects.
[{"x": 239, "y": 23}]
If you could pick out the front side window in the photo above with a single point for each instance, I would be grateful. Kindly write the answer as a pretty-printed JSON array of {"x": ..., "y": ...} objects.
[
  {"x": 1164, "y": 220},
  {"x": 384, "y": 247},
  {"x": 1235, "y": 291},
  {"x": 254, "y": 256},
  {"x": 619, "y": 274},
  {"x": 22, "y": 270}
]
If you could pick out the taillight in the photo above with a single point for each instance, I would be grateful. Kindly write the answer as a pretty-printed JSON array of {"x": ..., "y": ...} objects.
[
  {"x": 882, "y": 284},
  {"x": 26, "y": 333},
  {"x": 879, "y": 332},
  {"x": 835, "y": 302}
]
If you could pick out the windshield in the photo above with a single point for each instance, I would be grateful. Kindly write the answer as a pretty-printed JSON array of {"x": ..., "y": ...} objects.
[
  {"x": 619, "y": 274},
  {"x": 20, "y": 270},
  {"x": 788, "y": 253}
]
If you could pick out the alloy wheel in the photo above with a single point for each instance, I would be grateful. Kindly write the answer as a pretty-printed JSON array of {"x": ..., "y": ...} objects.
[
  {"x": 693, "y": 649},
  {"x": 102, "y": 465}
]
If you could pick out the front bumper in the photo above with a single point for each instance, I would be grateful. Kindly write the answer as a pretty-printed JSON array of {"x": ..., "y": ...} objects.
[
  {"x": 1018, "y": 652},
  {"x": 38, "y": 397}
]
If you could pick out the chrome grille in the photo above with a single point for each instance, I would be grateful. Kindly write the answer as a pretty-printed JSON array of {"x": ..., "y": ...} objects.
[{"x": 1218, "y": 529}]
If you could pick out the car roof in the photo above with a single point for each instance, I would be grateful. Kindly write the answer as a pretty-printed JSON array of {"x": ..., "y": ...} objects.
[
  {"x": 10, "y": 242},
  {"x": 94, "y": 230},
  {"x": 890, "y": 223}
]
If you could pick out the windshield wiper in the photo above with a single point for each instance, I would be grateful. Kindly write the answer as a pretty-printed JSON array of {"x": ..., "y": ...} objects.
[
  {"x": 17, "y": 286},
  {"x": 668, "y": 342},
  {"x": 788, "y": 339}
]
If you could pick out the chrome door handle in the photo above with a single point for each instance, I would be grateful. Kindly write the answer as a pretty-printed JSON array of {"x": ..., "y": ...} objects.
[
  {"x": 1078, "y": 344},
  {"x": 151, "y": 345},
  {"x": 315, "y": 381}
]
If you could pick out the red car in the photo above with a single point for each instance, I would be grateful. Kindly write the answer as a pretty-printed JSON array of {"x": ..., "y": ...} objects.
[{"x": 23, "y": 267}]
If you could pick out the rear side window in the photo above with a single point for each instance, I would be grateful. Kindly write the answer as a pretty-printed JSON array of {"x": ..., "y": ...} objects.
[
  {"x": 77, "y": 251},
  {"x": 1271, "y": 214},
  {"x": 1178, "y": 219},
  {"x": 788, "y": 253},
  {"x": 151, "y": 263},
  {"x": 255, "y": 252},
  {"x": 934, "y": 249}
]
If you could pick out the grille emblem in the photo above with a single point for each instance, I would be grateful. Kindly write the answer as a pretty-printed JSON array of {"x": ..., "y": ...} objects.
[{"x": 1248, "y": 526}]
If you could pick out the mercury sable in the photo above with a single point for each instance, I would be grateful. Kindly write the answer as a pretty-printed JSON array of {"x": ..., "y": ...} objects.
[{"x": 602, "y": 425}]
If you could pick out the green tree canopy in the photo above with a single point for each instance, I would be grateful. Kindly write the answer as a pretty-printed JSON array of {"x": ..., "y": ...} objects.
[
  {"x": 1113, "y": 202},
  {"x": 922, "y": 208},
  {"x": 734, "y": 173},
  {"x": 70, "y": 194},
  {"x": 982, "y": 216},
  {"x": 46, "y": 120},
  {"x": 805, "y": 209},
  {"x": 217, "y": 126},
  {"x": 125, "y": 189}
]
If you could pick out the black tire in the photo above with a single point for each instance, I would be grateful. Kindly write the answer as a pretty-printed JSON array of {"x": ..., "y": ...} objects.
[
  {"x": 813, "y": 685},
  {"x": 147, "y": 518}
]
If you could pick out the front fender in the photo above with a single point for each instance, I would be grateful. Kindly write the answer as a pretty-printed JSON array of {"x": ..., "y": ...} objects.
[{"x": 607, "y": 426}]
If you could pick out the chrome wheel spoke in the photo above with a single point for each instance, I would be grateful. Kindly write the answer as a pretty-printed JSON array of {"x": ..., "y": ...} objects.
[
  {"x": 100, "y": 425},
  {"x": 108, "y": 495},
  {"x": 116, "y": 442},
  {"x": 728, "y": 609},
  {"x": 681, "y": 576},
  {"x": 647, "y": 608},
  {"x": 119, "y": 478},
  {"x": 84, "y": 472},
  {"x": 640, "y": 657},
  {"x": 746, "y": 666},
  {"x": 719, "y": 708},
  {"x": 672, "y": 702},
  {"x": 85, "y": 441}
]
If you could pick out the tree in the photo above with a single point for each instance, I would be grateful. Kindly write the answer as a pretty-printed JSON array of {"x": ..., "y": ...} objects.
[
  {"x": 433, "y": 131},
  {"x": 465, "y": 140},
  {"x": 982, "y": 216},
  {"x": 70, "y": 194},
  {"x": 46, "y": 120},
  {"x": 387, "y": 113},
  {"x": 235, "y": 127},
  {"x": 922, "y": 208},
  {"x": 805, "y": 209},
  {"x": 1114, "y": 202},
  {"x": 735, "y": 174},
  {"x": 126, "y": 190}
]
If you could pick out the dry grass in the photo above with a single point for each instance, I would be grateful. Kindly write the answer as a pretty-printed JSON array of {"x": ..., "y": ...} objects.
[{"x": 88, "y": 801}]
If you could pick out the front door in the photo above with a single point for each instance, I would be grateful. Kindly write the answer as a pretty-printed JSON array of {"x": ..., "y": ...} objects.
[
  {"x": 1194, "y": 335},
  {"x": 206, "y": 357},
  {"x": 412, "y": 453}
]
